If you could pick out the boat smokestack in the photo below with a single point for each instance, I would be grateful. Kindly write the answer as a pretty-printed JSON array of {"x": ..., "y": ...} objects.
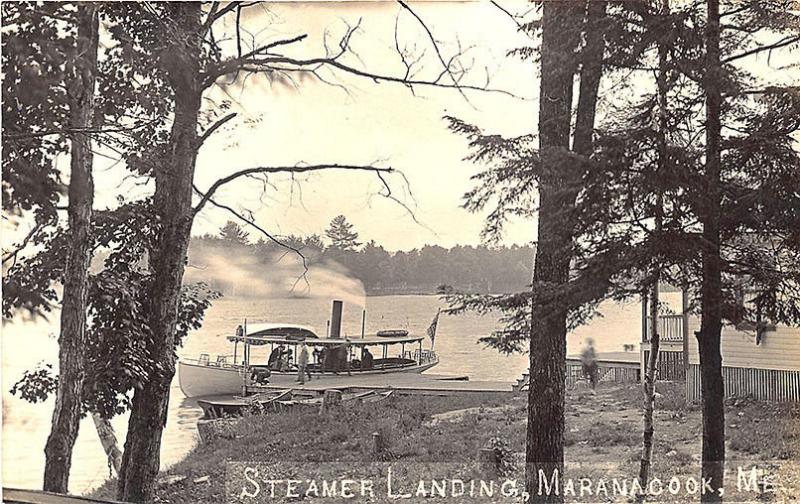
[{"x": 336, "y": 319}]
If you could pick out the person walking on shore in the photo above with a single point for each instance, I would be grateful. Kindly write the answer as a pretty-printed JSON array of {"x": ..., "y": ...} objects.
[
  {"x": 302, "y": 365},
  {"x": 589, "y": 363}
]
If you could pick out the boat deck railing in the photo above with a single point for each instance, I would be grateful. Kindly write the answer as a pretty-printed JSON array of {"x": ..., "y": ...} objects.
[
  {"x": 409, "y": 357},
  {"x": 423, "y": 357},
  {"x": 223, "y": 361}
]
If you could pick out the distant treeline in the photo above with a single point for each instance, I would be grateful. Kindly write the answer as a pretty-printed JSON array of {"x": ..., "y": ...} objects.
[{"x": 427, "y": 270}]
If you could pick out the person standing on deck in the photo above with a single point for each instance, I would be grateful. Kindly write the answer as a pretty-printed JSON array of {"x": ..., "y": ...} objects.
[
  {"x": 367, "y": 360},
  {"x": 302, "y": 365},
  {"x": 286, "y": 360},
  {"x": 340, "y": 357},
  {"x": 345, "y": 353},
  {"x": 329, "y": 360},
  {"x": 275, "y": 357},
  {"x": 589, "y": 363}
]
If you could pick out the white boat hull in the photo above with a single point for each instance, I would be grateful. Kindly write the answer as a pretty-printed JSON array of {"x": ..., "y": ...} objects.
[{"x": 203, "y": 380}]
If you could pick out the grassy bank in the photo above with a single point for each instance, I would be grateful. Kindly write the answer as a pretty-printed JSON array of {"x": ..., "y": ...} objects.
[{"x": 603, "y": 436}]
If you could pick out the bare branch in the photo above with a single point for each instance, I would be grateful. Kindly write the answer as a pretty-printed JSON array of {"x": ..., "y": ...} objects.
[
  {"x": 390, "y": 196},
  {"x": 261, "y": 60},
  {"x": 266, "y": 64},
  {"x": 214, "y": 127},
  {"x": 236, "y": 64},
  {"x": 509, "y": 14},
  {"x": 737, "y": 10},
  {"x": 215, "y": 15},
  {"x": 281, "y": 169},
  {"x": 238, "y": 30},
  {"x": 446, "y": 65},
  {"x": 251, "y": 222},
  {"x": 212, "y": 12}
]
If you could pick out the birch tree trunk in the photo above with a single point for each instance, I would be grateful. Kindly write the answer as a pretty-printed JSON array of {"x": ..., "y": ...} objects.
[
  {"x": 109, "y": 441},
  {"x": 651, "y": 374},
  {"x": 72, "y": 338},
  {"x": 649, "y": 396}
]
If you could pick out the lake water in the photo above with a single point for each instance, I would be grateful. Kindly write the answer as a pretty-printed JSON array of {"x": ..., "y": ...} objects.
[{"x": 24, "y": 344}]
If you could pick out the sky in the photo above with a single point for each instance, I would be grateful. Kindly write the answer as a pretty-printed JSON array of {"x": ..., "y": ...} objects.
[
  {"x": 381, "y": 124},
  {"x": 353, "y": 120}
]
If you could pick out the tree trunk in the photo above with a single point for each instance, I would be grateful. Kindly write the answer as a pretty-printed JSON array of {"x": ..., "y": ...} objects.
[
  {"x": 649, "y": 385},
  {"x": 649, "y": 396},
  {"x": 711, "y": 291},
  {"x": 109, "y": 441},
  {"x": 173, "y": 206},
  {"x": 544, "y": 454},
  {"x": 72, "y": 338},
  {"x": 591, "y": 73}
]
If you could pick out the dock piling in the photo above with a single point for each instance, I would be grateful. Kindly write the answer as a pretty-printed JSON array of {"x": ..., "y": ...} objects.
[
  {"x": 377, "y": 443},
  {"x": 331, "y": 400}
]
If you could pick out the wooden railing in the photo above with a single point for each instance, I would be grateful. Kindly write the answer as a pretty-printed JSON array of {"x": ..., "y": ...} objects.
[
  {"x": 670, "y": 328},
  {"x": 423, "y": 358},
  {"x": 671, "y": 365}
]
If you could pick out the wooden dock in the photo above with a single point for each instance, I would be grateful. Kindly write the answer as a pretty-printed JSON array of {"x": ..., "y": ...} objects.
[{"x": 400, "y": 383}]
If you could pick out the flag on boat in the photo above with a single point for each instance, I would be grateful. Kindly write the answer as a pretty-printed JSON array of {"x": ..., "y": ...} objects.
[{"x": 432, "y": 329}]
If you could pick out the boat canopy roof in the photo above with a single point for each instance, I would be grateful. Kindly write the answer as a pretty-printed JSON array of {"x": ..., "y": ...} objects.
[
  {"x": 291, "y": 334},
  {"x": 273, "y": 329},
  {"x": 255, "y": 339}
]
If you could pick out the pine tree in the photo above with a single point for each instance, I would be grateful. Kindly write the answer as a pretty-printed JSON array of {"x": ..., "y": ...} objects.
[
  {"x": 341, "y": 234},
  {"x": 710, "y": 334},
  {"x": 234, "y": 234},
  {"x": 538, "y": 320},
  {"x": 735, "y": 197},
  {"x": 617, "y": 249}
]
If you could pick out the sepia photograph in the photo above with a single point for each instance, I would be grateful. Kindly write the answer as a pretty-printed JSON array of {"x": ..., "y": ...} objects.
[{"x": 382, "y": 251}]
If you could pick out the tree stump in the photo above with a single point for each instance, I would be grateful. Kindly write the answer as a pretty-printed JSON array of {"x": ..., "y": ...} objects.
[
  {"x": 206, "y": 430},
  {"x": 487, "y": 461},
  {"x": 217, "y": 428},
  {"x": 377, "y": 443},
  {"x": 331, "y": 400}
]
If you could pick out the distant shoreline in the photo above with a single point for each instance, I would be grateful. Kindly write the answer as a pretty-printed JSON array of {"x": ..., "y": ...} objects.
[{"x": 403, "y": 292}]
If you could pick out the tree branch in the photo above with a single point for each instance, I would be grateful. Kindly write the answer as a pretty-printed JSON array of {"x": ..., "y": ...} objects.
[
  {"x": 251, "y": 222},
  {"x": 281, "y": 169},
  {"x": 265, "y": 64},
  {"x": 12, "y": 255},
  {"x": 215, "y": 14},
  {"x": 446, "y": 65},
  {"x": 69, "y": 131},
  {"x": 507, "y": 13},
  {"x": 236, "y": 64},
  {"x": 214, "y": 127},
  {"x": 260, "y": 60},
  {"x": 777, "y": 45}
]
